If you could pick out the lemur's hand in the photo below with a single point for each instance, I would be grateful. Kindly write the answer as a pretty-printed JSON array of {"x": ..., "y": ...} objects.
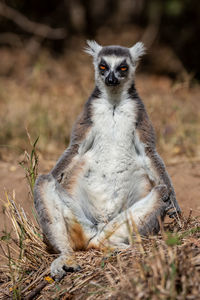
[{"x": 173, "y": 209}]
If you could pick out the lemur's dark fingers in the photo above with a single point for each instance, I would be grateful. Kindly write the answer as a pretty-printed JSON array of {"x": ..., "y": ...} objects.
[
  {"x": 170, "y": 206},
  {"x": 72, "y": 269},
  {"x": 172, "y": 214},
  {"x": 175, "y": 209}
]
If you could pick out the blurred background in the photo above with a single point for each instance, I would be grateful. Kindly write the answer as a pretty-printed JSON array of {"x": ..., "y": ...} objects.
[
  {"x": 45, "y": 78},
  {"x": 174, "y": 24}
]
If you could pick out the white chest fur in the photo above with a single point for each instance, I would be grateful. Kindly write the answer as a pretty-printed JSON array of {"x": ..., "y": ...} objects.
[{"x": 113, "y": 171}]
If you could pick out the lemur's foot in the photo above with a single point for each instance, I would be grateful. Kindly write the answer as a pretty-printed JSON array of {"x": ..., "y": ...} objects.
[{"x": 63, "y": 264}]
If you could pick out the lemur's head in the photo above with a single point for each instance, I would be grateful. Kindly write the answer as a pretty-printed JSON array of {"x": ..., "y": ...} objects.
[{"x": 114, "y": 65}]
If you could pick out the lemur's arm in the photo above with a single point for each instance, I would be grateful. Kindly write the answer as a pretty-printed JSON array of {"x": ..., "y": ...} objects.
[
  {"x": 146, "y": 134},
  {"x": 80, "y": 140}
]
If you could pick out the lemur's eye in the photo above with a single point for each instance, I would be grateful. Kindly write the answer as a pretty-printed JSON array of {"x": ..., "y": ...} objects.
[
  {"x": 124, "y": 68},
  {"x": 102, "y": 67}
]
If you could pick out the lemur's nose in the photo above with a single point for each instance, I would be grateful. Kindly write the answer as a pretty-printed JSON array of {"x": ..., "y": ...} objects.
[{"x": 111, "y": 79}]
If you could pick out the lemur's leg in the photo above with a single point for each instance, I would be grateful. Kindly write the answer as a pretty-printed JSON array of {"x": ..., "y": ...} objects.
[
  {"x": 145, "y": 214},
  {"x": 58, "y": 217}
]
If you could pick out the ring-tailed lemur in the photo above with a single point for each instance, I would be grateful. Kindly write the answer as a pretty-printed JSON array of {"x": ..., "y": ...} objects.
[{"x": 110, "y": 175}]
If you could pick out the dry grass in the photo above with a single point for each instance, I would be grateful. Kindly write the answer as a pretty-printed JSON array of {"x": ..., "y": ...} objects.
[{"x": 166, "y": 266}]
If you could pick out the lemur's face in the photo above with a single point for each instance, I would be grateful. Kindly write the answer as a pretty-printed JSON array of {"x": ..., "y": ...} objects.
[
  {"x": 113, "y": 70},
  {"x": 114, "y": 65}
]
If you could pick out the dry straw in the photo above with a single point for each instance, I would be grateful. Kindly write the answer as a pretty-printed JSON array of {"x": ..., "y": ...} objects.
[{"x": 166, "y": 266}]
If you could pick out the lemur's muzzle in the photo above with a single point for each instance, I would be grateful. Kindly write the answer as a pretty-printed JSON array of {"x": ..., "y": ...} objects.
[{"x": 111, "y": 79}]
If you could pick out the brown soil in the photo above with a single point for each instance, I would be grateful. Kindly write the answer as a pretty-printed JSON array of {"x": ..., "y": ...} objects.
[{"x": 185, "y": 176}]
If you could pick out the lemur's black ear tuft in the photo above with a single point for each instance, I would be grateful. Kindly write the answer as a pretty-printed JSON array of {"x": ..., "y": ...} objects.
[
  {"x": 93, "y": 48},
  {"x": 137, "y": 51}
]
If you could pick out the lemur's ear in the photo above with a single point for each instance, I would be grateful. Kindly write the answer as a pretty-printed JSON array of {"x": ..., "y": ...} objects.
[
  {"x": 137, "y": 51},
  {"x": 93, "y": 48}
]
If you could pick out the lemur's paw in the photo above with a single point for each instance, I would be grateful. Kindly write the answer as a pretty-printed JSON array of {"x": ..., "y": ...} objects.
[
  {"x": 173, "y": 210},
  {"x": 63, "y": 264},
  {"x": 163, "y": 192}
]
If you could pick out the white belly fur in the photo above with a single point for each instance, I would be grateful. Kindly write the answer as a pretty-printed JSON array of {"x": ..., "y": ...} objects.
[{"x": 114, "y": 172}]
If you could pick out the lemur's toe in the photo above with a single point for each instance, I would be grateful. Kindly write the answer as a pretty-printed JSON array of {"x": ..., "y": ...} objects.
[
  {"x": 72, "y": 269},
  {"x": 168, "y": 207},
  {"x": 173, "y": 213},
  {"x": 61, "y": 265}
]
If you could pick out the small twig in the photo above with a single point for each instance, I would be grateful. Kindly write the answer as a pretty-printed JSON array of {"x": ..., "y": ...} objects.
[
  {"x": 36, "y": 291},
  {"x": 189, "y": 218},
  {"x": 3, "y": 250},
  {"x": 73, "y": 289}
]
